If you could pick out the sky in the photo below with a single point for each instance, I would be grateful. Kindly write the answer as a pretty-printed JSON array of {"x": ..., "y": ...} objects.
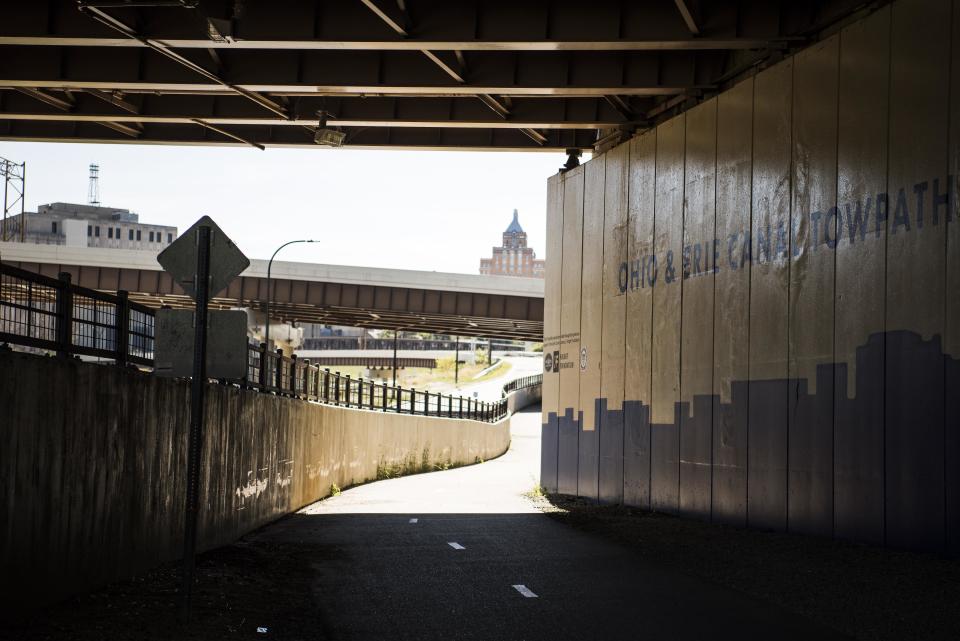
[{"x": 425, "y": 210}]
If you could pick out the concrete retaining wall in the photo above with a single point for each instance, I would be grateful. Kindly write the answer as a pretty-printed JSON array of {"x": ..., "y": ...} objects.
[
  {"x": 93, "y": 460},
  {"x": 521, "y": 398},
  {"x": 752, "y": 310}
]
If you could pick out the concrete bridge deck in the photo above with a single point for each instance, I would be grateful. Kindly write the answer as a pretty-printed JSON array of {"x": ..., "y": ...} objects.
[{"x": 456, "y": 304}]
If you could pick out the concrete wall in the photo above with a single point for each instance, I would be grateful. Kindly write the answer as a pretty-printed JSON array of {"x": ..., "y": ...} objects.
[
  {"x": 753, "y": 310},
  {"x": 524, "y": 397},
  {"x": 93, "y": 460}
]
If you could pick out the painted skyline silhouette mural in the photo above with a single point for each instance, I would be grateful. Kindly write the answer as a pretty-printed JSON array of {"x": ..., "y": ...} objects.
[{"x": 778, "y": 457}]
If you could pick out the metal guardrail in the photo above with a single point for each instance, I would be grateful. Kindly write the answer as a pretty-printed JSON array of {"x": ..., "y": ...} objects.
[
  {"x": 53, "y": 314},
  {"x": 520, "y": 383}
]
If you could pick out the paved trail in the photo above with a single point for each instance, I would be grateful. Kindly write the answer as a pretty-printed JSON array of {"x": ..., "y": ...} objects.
[
  {"x": 459, "y": 555},
  {"x": 492, "y": 389}
]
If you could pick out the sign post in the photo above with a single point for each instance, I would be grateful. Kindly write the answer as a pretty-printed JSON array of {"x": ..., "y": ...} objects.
[
  {"x": 197, "y": 388},
  {"x": 203, "y": 261}
]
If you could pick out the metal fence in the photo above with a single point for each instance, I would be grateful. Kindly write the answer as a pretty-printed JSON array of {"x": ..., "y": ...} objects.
[
  {"x": 520, "y": 383},
  {"x": 53, "y": 314}
]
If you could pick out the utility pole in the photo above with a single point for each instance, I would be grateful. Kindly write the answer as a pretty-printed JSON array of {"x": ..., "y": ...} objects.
[{"x": 14, "y": 191}]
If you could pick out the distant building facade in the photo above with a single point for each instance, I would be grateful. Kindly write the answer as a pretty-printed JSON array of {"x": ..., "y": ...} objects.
[
  {"x": 513, "y": 257},
  {"x": 89, "y": 226}
]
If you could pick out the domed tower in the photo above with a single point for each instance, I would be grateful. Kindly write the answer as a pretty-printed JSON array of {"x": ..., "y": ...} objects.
[
  {"x": 513, "y": 257},
  {"x": 514, "y": 237}
]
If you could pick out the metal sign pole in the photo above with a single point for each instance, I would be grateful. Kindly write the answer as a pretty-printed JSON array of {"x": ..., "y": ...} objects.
[{"x": 197, "y": 386}]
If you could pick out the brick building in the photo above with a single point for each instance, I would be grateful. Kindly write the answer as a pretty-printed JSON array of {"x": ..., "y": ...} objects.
[{"x": 513, "y": 258}]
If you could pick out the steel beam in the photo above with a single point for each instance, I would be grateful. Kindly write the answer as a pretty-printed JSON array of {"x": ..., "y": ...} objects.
[
  {"x": 399, "y": 90},
  {"x": 223, "y": 132},
  {"x": 686, "y": 12},
  {"x": 334, "y": 122},
  {"x": 45, "y": 97},
  {"x": 112, "y": 23},
  {"x": 413, "y": 44}
]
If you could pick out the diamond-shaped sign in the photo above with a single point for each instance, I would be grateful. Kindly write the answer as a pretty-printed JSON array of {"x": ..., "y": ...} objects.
[{"x": 179, "y": 259}]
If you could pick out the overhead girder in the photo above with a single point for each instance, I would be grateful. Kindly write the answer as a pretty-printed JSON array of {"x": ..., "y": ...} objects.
[
  {"x": 427, "y": 137},
  {"x": 583, "y": 73},
  {"x": 341, "y": 22},
  {"x": 480, "y": 74},
  {"x": 455, "y": 112}
]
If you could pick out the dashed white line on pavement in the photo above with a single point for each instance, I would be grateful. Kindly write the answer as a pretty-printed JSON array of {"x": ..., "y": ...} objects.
[
  {"x": 413, "y": 520},
  {"x": 525, "y": 591},
  {"x": 456, "y": 546}
]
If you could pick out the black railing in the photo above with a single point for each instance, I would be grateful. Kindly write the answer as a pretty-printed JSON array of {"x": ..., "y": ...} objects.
[
  {"x": 53, "y": 314},
  {"x": 520, "y": 383}
]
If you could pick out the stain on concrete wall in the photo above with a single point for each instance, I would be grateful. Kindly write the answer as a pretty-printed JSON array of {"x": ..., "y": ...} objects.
[
  {"x": 93, "y": 460},
  {"x": 792, "y": 333}
]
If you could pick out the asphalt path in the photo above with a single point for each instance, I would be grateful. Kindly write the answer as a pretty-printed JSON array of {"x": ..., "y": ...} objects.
[
  {"x": 464, "y": 554},
  {"x": 492, "y": 389}
]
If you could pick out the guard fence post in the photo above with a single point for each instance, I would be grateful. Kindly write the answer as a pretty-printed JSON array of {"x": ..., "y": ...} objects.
[
  {"x": 278, "y": 372},
  {"x": 121, "y": 329},
  {"x": 308, "y": 379},
  {"x": 64, "y": 315},
  {"x": 294, "y": 390},
  {"x": 262, "y": 374}
]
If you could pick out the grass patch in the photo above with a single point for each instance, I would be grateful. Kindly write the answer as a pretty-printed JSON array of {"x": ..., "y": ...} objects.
[{"x": 500, "y": 369}]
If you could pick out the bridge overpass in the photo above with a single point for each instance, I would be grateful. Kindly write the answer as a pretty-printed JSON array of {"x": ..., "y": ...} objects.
[
  {"x": 456, "y": 304},
  {"x": 416, "y": 74}
]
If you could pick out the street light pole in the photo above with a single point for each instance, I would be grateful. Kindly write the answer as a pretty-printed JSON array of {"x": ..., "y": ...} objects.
[
  {"x": 456, "y": 363},
  {"x": 266, "y": 333},
  {"x": 394, "y": 358}
]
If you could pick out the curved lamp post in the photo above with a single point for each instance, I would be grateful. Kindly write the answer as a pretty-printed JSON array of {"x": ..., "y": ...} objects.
[{"x": 266, "y": 333}]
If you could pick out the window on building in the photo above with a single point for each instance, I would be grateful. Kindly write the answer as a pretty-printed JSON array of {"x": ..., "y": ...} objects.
[
  {"x": 169, "y": 238},
  {"x": 151, "y": 237},
  {"x": 138, "y": 234},
  {"x": 129, "y": 234},
  {"x": 89, "y": 230},
  {"x": 116, "y": 232},
  {"x": 53, "y": 227},
  {"x": 96, "y": 231},
  {"x": 110, "y": 232}
]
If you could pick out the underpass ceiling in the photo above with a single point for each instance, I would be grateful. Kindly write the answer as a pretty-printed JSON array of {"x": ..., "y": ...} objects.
[{"x": 482, "y": 74}]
